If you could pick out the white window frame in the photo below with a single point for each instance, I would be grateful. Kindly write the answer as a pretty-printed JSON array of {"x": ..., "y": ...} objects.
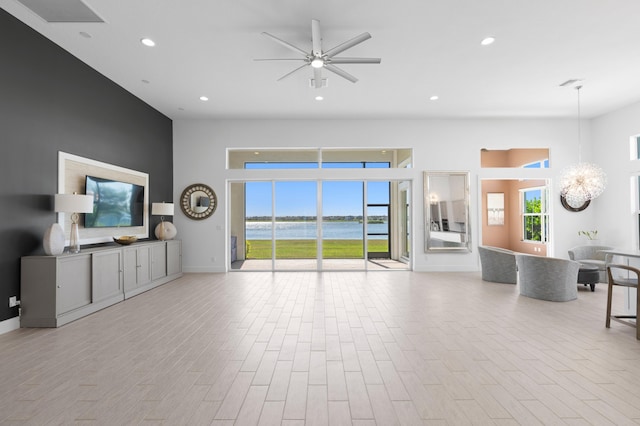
[{"x": 544, "y": 214}]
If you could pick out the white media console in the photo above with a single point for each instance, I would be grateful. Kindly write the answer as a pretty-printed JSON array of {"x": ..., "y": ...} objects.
[{"x": 55, "y": 290}]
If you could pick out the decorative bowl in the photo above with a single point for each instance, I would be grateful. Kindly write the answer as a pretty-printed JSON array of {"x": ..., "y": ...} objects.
[{"x": 125, "y": 240}]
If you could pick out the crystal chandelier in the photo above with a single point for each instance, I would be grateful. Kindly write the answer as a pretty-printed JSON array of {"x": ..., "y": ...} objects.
[{"x": 581, "y": 182}]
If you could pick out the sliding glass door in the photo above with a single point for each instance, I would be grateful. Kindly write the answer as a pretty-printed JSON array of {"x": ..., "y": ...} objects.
[
  {"x": 258, "y": 226},
  {"x": 342, "y": 225},
  {"x": 296, "y": 236},
  {"x": 319, "y": 225}
]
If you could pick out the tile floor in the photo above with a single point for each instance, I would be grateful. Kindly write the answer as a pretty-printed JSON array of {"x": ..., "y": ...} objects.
[
  {"x": 312, "y": 265},
  {"x": 332, "y": 348}
]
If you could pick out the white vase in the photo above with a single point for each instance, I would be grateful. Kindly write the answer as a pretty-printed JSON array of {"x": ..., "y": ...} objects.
[
  {"x": 53, "y": 240},
  {"x": 593, "y": 242},
  {"x": 165, "y": 231}
]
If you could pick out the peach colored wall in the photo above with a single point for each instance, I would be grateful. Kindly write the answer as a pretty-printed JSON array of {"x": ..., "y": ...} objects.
[
  {"x": 509, "y": 235},
  {"x": 494, "y": 158},
  {"x": 515, "y": 157},
  {"x": 495, "y": 235}
]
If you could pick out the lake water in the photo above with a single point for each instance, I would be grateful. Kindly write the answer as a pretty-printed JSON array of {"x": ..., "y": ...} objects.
[{"x": 307, "y": 230}]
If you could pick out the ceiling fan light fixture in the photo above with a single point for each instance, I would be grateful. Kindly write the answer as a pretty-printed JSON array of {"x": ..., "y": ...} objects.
[
  {"x": 487, "y": 41},
  {"x": 320, "y": 59},
  {"x": 147, "y": 42}
]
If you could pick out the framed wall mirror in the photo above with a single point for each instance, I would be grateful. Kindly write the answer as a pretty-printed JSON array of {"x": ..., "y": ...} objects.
[
  {"x": 198, "y": 201},
  {"x": 446, "y": 208}
]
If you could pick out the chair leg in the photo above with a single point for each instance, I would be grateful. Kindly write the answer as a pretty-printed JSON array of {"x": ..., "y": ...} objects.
[
  {"x": 609, "y": 294},
  {"x": 637, "y": 307}
]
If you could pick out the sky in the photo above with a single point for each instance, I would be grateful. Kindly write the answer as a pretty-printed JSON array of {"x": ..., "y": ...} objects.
[{"x": 299, "y": 198}]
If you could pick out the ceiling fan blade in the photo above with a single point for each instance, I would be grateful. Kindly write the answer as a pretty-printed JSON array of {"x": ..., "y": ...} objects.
[
  {"x": 340, "y": 72},
  {"x": 317, "y": 78},
  {"x": 347, "y": 44},
  {"x": 355, "y": 60},
  {"x": 316, "y": 37},
  {"x": 291, "y": 72},
  {"x": 280, "y": 59},
  {"x": 286, "y": 44}
]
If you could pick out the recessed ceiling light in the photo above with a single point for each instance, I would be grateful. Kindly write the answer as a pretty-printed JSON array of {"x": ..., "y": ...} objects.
[
  {"x": 319, "y": 98},
  {"x": 84, "y": 34},
  {"x": 204, "y": 98},
  {"x": 147, "y": 42},
  {"x": 434, "y": 98},
  {"x": 487, "y": 41}
]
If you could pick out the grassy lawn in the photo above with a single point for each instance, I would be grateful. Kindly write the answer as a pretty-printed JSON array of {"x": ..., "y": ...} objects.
[{"x": 306, "y": 249}]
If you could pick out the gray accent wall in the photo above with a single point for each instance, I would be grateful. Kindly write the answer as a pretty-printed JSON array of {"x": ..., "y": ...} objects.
[{"x": 50, "y": 101}]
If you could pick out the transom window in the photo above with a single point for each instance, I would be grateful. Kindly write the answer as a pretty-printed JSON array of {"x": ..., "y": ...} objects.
[
  {"x": 314, "y": 158},
  {"x": 544, "y": 164},
  {"x": 515, "y": 158}
]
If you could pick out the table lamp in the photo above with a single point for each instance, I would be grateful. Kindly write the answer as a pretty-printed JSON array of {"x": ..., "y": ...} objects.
[
  {"x": 164, "y": 230},
  {"x": 74, "y": 204}
]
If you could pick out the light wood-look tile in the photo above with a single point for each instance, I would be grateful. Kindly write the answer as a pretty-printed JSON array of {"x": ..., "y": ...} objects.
[{"x": 331, "y": 348}]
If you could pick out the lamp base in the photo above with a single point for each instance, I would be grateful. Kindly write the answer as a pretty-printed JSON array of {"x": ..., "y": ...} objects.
[
  {"x": 74, "y": 239},
  {"x": 53, "y": 240},
  {"x": 165, "y": 231}
]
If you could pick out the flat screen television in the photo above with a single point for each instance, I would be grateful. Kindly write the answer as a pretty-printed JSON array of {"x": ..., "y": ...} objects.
[{"x": 115, "y": 204}]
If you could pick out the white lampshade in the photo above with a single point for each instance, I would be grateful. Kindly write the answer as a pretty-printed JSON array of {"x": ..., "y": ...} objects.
[
  {"x": 162, "y": 209},
  {"x": 73, "y": 203}
]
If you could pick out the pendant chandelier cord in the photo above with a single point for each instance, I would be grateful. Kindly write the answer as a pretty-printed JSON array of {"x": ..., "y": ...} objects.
[
  {"x": 581, "y": 182},
  {"x": 579, "y": 128}
]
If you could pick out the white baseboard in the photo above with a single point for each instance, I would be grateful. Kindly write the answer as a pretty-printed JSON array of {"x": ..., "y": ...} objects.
[{"x": 9, "y": 325}]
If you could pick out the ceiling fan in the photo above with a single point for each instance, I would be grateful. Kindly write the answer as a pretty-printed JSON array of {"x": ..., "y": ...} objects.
[{"x": 326, "y": 59}]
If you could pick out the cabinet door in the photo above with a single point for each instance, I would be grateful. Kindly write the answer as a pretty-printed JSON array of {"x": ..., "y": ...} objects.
[
  {"x": 130, "y": 271},
  {"x": 73, "y": 283},
  {"x": 174, "y": 257},
  {"x": 107, "y": 274},
  {"x": 158, "y": 261},
  {"x": 143, "y": 265}
]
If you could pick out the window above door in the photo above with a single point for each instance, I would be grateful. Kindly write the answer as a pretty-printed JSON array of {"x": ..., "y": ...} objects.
[{"x": 275, "y": 158}]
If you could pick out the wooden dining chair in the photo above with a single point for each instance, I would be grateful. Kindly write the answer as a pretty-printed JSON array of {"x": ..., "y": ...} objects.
[{"x": 627, "y": 276}]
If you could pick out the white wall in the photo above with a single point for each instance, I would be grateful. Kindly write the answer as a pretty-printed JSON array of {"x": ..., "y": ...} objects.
[
  {"x": 617, "y": 225},
  {"x": 200, "y": 156}
]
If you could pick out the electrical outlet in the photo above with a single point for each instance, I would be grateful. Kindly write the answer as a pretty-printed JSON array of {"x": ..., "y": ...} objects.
[{"x": 13, "y": 301}]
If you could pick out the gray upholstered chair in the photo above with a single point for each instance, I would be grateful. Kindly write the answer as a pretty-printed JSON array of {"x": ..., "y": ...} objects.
[
  {"x": 592, "y": 255},
  {"x": 498, "y": 265},
  {"x": 547, "y": 278}
]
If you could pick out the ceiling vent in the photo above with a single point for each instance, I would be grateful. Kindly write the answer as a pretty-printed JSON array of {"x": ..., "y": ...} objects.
[{"x": 62, "y": 10}]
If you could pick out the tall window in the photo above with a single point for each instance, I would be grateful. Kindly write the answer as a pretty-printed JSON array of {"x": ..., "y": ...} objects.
[{"x": 535, "y": 215}]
